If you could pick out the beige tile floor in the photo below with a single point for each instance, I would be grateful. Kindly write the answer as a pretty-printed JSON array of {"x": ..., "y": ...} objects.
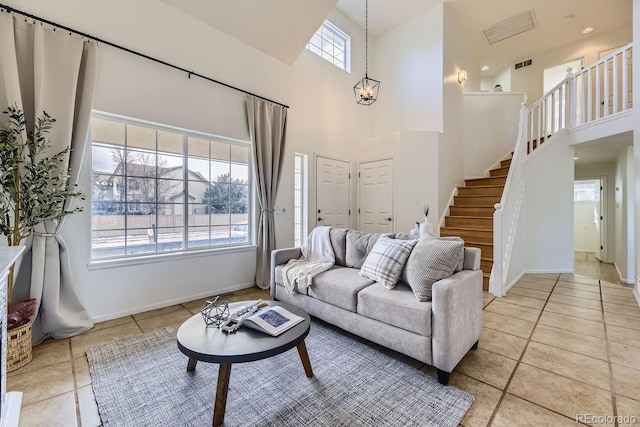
[{"x": 556, "y": 346}]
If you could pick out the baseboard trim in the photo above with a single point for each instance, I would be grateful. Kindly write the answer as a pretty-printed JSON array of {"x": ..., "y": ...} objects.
[
  {"x": 513, "y": 282},
  {"x": 141, "y": 309},
  {"x": 622, "y": 279},
  {"x": 543, "y": 271},
  {"x": 636, "y": 295}
]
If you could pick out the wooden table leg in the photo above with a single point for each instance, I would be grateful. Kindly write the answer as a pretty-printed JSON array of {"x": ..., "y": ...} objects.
[
  {"x": 304, "y": 356},
  {"x": 191, "y": 365},
  {"x": 224, "y": 373}
]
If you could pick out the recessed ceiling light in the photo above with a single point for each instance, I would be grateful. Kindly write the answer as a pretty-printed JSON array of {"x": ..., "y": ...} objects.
[
  {"x": 568, "y": 18},
  {"x": 576, "y": 158},
  {"x": 587, "y": 30},
  {"x": 485, "y": 67}
]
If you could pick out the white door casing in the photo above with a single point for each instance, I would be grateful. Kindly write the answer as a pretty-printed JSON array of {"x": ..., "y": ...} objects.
[
  {"x": 333, "y": 195},
  {"x": 375, "y": 196}
]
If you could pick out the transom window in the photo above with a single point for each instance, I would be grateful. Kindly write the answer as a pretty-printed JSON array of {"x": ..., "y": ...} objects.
[
  {"x": 332, "y": 44},
  {"x": 158, "y": 189}
]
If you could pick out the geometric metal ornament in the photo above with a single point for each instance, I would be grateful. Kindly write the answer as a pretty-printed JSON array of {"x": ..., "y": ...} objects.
[
  {"x": 215, "y": 312},
  {"x": 366, "y": 91}
]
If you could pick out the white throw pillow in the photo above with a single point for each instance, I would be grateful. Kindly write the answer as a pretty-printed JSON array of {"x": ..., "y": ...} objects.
[{"x": 385, "y": 262}]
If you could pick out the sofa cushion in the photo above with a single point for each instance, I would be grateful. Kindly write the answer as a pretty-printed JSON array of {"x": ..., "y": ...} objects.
[
  {"x": 280, "y": 280},
  {"x": 339, "y": 286},
  {"x": 385, "y": 262},
  {"x": 338, "y": 237},
  {"x": 397, "y": 307},
  {"x": 430, "y": 261}
]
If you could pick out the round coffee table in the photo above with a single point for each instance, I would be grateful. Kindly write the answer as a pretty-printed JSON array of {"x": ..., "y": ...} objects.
[{"x": 205, "y": 343}]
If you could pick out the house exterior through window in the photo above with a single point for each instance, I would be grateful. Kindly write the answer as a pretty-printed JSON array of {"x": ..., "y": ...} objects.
[{"x": 156, "y": 189}]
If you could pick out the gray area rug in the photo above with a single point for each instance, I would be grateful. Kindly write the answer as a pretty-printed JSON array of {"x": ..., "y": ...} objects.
[{"x": 142, "y": 381}]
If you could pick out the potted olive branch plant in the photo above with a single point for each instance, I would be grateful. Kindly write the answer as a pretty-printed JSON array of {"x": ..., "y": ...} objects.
[{"x": 34, "y": 184}]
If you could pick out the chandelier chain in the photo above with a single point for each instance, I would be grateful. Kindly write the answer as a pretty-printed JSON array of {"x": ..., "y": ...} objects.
[{"x": 366, "y": 38}]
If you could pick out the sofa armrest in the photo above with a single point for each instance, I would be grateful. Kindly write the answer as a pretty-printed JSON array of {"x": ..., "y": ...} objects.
[
  {"x": 281, "y": 256},
  {"x": 456, "y": 317},
  {"x": 471, "y": 258}
]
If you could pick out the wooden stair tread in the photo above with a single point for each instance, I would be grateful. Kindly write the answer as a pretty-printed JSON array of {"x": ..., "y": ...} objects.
[
  {"x": 463, "y": 229},
  {"x": 487, "y": 177},
  {"x": 484, "y": 186},
  {"x": 467, "y": 216}
]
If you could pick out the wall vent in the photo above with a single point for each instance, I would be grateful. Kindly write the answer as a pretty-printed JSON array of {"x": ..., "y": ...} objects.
[
  {"x": 523, "y": 64},
  {"x": 510, "y": 27}
]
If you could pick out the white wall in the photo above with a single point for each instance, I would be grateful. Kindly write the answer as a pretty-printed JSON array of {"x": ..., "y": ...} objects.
[
  {"x": 490, "y": 124},
  {"x": 323, "y": 117},
  {"x": 502, "y": 78},
  {"x": 458, "y": 55},
  {"x": 416, "y": 172},
  {"x": 625, "y": 252},
  {"x": 408, "y": 62},
  {"x": 549, "y": 207},
  {"x": 604, "y": 170}
]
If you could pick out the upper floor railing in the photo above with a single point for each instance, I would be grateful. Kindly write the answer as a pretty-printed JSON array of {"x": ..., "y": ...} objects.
[{"x": 598, "y": 91}]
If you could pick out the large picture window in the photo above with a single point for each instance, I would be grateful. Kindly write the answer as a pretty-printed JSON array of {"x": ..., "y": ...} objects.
[{"x": 158, "y": 189}]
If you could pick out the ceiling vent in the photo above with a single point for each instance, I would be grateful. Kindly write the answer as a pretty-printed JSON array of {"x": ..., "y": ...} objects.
[{"x": 510, "y": 27}]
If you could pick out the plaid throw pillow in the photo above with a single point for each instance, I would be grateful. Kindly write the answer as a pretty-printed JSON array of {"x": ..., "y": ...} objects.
[{"x": 386, "y": 260}]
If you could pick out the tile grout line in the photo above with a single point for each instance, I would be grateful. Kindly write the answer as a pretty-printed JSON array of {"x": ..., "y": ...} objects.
[
  {"x": 515, "y": 368},
  {"x": 75, "y": 384},
  {"x": 609, "y": 363}
]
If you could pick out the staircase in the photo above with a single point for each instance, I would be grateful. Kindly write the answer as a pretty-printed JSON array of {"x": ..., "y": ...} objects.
[{"x": 471, "y": 215}]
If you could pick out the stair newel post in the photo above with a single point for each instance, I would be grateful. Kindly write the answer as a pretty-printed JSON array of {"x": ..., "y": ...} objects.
[
  {"x": 572, "y": 98},
  {"x": 496, "y": 286}
]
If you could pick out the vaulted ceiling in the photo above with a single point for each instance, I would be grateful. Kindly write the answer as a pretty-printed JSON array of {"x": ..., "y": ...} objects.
[
  {"x": 282, "y": 28},
  {"x": 559, "y": 22},
  {"x": 279, "y": 28}
]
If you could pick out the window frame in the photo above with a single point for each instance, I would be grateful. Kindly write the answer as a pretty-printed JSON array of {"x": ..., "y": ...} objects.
[
  {"x": 184, "y": 207},
  {"x": 301, "y": 224},
  {"x": 336, "y": 33}
]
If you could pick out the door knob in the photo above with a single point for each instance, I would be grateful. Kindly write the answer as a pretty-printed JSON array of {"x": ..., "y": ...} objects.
[
  {"x": 388, "y": 219},
  {"x": 320, "y": 219}
]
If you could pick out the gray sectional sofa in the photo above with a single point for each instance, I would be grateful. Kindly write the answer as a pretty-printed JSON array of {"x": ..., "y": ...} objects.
[{"x": 438, "y": 332}]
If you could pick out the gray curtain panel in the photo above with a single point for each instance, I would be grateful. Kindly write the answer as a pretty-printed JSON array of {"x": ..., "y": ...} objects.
[
  {"x": 52, "y": 71},
  {"x": 267, "y": 129}
]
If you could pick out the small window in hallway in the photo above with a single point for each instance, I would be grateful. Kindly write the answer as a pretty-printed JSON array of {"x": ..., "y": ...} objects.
[{"x": 586, "y": 191}]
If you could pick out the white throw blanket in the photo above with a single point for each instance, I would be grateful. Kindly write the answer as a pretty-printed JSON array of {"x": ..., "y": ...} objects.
[{"x": 317, "y": 256}]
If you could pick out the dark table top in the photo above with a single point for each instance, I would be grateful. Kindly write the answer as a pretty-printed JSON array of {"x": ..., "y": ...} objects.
[{"x": 210, "y": 344}]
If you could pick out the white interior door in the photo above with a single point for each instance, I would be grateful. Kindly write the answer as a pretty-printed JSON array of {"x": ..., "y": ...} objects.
[
  {"x": 375, "y": 196},
  {"x": 332, "y": 192},
  {"x": 598, "y": 219}
]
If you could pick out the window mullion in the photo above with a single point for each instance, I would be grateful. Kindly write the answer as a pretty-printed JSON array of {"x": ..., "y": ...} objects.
[
  {"x": 125, "y": 157},
  {"x": 185, "y": 189}
]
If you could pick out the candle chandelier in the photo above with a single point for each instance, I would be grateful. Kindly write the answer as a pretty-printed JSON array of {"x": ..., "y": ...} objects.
[{"x": 366, "y": 90}]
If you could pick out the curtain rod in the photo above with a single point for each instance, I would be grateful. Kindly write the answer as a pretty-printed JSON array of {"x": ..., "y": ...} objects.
[{"x": 133, "y": 52}]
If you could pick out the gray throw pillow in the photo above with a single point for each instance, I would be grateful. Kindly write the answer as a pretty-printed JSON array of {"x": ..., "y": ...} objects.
[
  {"x": 386, "y": 260},
  {"x": 338, "y": 237},
  {"x": 359, "y": 244},
  {"x": 460, "y": 265},
  {"x": 430, "y": 261}
]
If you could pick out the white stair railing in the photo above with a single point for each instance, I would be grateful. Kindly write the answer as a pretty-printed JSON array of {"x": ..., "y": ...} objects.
[
  {"x": 598, "y": 91},
  {"x": 505, "y": 218}
]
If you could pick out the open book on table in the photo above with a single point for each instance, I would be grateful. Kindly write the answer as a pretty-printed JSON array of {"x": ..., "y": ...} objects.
[{"x": 273, "y": 320}]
